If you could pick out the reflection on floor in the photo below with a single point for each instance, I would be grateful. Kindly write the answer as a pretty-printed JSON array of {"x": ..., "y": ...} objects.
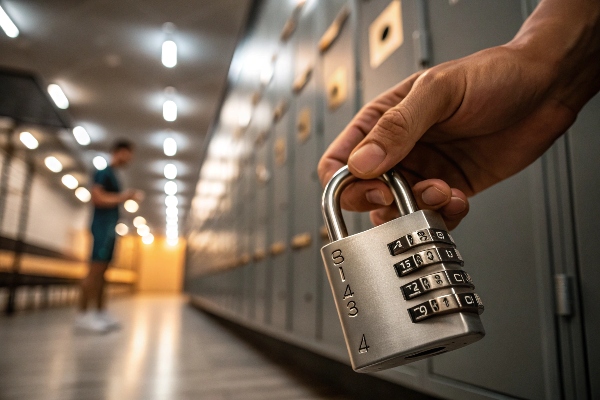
[{"x": 166, "y": 350}]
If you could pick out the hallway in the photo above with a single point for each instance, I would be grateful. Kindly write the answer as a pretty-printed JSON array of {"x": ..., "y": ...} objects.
[{"x": 166, "y": 350}]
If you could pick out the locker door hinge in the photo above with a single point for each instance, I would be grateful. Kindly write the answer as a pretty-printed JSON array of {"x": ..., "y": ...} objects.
[{"x": 563, "y": 294}]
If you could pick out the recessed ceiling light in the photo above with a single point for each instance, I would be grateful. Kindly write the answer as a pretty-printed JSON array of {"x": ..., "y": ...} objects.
[
  {"x": 81, "y": 135},
  {"x": 131, "y": 206},
  {"x": 169, "y": 110},
  {"x": 171, "y": 201},
  {"x": 53, "y": 164},
  {"x": 7, "y": 25},
  {"x": 169, "y": 54},
  {"x": 172, "y": 211},
  {"x": 58, "y": 96},
  {"x": 170, "y": 171},
  {"x": 28, "y": 140},
  {"x": 172, "y": 218},
  {"x": 121, "y": 229},
  {"x": 171, "y": 188},
  {"x": 172, "y": 241},
  {"x": 138, "y": 221},
  {"x": 148, "y": 239},
  {"x": 170, "y": 147},
  {"x": 83, "y": 194},
  {"x": 99, "y": 163},
  {"x": 70, "y": 181},
  {"x": 143, "y": 230}
]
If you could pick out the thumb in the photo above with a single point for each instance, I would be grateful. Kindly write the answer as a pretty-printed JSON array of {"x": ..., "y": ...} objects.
[{"x": 433, "y": 98}]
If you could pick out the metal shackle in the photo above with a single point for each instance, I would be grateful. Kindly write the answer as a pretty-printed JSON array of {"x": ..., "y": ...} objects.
[{"x": 330, "y": 205}]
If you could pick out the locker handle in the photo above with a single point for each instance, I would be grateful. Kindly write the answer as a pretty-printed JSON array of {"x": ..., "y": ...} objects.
[
  {"x": 302, "y": 79},
  {"x": 292, "y": 22},
  {"x": 334, "y": 29},
  {"x": 277, "y": 248},
  {"x": 259, "y": 255},
  {"x": 301, "y": 241}
]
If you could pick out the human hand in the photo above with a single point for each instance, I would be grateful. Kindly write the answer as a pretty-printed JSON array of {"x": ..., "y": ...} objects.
[
  {"x": 453, "y": 130},
  {"x": 134, "y": 194}
]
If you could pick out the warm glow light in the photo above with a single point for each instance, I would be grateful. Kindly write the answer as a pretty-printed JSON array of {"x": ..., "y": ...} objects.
[
  {"x": 148, "y": 239},
  {"x": 172, "y": 225},
  {"x": 169, "y": 110},
  {"x": 169, "y": 54},
  {"x": 172, "y": 211},
  {"x": 81, "y": 135},
  {"x": 139, "y": 221},
  {"x": 170, "y": 147},
  {"x": 70, "y": 181},
  {"x": 28, "y": 140},
  {"x": 53, "y": 164},
  {"x": 7, "y": 25},
  {"x": 172, "y": 241},
  {"x": 121, "y": 229},
  {"x": 267, "y": 74},
  {"x": 172, "y": 218},
  {"x": 83, "y": 194},
  {"x": 170, "y": 171},
  {"x": 170, "y": 188},
  {"x": 172, "y": 233},
  {"x": 171, "y": 201},
  {"x": 58, "y": 96},
  {"x": 143, "y": 230},
  {"x": 99, "y": 163},
  {"x": 131, "y": 206}
]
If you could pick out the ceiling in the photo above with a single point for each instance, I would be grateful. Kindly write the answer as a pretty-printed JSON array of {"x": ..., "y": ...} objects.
[{"x": 106, "y": 56}]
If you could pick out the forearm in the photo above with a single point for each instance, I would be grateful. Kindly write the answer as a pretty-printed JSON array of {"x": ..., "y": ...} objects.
[
  {"x": 107, "y": 200},
  {"x": 564, "y": 36}
]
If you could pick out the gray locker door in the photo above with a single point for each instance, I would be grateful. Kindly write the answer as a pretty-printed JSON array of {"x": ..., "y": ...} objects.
[
  {"x": 584, "y": 145},
  {"x": 503, "y": 241},
  {"x": 338, "y": 89},
  {"x": 306, "y": 189},
  {"x": 281, "y": 94},
  {"x": 380, "y": 22}
]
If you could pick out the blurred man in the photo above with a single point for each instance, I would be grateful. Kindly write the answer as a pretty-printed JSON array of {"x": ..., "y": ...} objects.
[{"x": 106, "y": 197}]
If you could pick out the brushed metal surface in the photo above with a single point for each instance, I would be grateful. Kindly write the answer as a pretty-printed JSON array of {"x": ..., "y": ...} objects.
[{"x": 366, "y": 287}]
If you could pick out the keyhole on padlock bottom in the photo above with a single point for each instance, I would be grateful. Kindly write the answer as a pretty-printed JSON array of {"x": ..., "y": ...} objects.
[{"x": 385, "y": 33}]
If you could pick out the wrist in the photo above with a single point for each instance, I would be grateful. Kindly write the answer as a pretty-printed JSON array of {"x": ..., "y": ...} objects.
[{"x": 562, "y": 40}]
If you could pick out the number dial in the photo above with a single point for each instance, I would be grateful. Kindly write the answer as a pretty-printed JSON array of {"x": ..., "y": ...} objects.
[
  {"x": 459, "y": 302},
  {"x": 437, "y": 280},
  {"x": 429, "y": 235},
  {"x": 427, "y": 257}
]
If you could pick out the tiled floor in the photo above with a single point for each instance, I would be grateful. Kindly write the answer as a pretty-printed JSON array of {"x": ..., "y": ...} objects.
[{"x": 166, "y": 350}]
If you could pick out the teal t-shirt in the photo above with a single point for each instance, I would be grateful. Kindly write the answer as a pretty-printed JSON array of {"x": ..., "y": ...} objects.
[{"x": 106, "y": 217}]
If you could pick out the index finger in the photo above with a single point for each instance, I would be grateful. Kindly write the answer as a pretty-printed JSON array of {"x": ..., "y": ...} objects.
[{"x": 336, "y": 155}]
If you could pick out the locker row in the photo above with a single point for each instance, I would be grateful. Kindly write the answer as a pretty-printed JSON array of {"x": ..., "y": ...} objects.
[{"x": 299, "y": 75}]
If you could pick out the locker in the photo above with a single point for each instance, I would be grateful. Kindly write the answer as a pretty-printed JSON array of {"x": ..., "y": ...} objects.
[
  {"x": 390, "y": 33},
  {"x": 582, "y": 149},
  {"x": 280, "y": 95},
  {"x": 338, "y": 92},
  {"x": 305, "y": 211}
]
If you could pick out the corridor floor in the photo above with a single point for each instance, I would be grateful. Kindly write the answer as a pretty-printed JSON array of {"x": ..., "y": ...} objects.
[{"x": 166, "y": 350}]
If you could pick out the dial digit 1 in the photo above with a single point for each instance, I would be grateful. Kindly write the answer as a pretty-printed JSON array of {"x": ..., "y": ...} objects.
[
  {"x": 348, "y": 292},
  {"x": 364, "y": 347}
]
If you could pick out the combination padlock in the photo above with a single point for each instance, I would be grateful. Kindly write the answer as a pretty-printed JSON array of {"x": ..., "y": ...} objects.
[{"x": 399, "y": 288}]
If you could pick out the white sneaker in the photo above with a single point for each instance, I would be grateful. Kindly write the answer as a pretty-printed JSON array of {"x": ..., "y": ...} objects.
[
  {"x": 91, "y": 323},
  {"x": 109, "y": 320}
]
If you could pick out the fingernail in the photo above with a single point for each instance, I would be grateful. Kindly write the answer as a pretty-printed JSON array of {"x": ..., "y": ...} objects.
[
  {"x": 433, "y": 196},
  {"x": 376, "y": 196},
  {"x": 456, "y": 206},
  {"x": 367, "y": 158}
]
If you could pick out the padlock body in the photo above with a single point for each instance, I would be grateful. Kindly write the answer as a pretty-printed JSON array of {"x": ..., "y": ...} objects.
[{"x": 379, "y": 329}]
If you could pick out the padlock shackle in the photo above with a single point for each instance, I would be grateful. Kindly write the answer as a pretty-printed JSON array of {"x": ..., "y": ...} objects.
[{"x": 330, "y": 205}]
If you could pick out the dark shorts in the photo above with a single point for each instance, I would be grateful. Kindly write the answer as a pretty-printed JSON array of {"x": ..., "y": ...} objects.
[{"x": 104, "y": 241}]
